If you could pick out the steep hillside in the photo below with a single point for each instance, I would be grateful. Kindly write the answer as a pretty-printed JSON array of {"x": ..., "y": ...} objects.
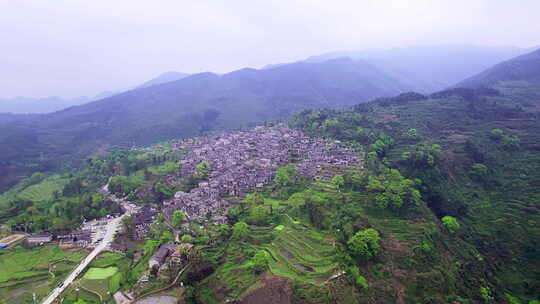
[
  {"x": 190, "y": 106},
  {"x": 428, "y": 69},
  {"x": 475, "y": 156},
  {"x": 525, "y": 68}
]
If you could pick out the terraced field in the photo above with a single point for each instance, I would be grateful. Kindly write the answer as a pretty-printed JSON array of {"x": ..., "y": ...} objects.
[
  {"x": 302, "y": 254},
  {"x": 27, "y": 271},
  {"x": 44, "y": 190}
]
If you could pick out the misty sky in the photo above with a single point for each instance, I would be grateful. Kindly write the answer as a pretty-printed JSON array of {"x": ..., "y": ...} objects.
[{"x": 76, "y": 47}]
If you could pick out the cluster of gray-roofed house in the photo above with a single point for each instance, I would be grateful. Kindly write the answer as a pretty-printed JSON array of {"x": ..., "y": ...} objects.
[
  {"x": 245, "y": 160},
  {"x": 142, "y": 221}
]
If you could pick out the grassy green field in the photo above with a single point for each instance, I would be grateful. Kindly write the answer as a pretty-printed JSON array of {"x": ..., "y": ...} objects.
[
  {"x": 38, "y": 192},
  {"x": 26, "y": 271},
  {"x": 44, "y": 190},
  {"x": 104, "y": 276},
  {"x": 95, "y": 273}
]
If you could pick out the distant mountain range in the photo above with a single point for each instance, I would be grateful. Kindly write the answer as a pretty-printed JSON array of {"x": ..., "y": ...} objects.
[
  {"x": 24, "y": 105},
  {"x": 427, "y": 69},
  {"x": 162, "y": 78},
  {"x": 523, "y": 68}
]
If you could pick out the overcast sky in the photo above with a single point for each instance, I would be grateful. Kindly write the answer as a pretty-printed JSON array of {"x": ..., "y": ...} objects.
[{"x": 80, "y": 47}]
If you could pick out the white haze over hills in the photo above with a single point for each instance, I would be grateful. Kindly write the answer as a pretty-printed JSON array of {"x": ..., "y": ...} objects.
[
  {"x": 25, "y": 105},
  {"x": 423, "y": 69}
]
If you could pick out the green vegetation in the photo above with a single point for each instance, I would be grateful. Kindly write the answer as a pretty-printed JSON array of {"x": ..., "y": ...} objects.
[
  {"x": 26, "y": 271},
  {"x": 365, "y": 244},
  {"x": 240, "y": 230},
  {"x": 178, "y": 218},
  {"x": 105, "y": 275},
  {"x": 202, "y": 170},
  {"x": 450, "y": 223},
  {"x": 468, "y": 157},
  {"x": 100, "y": 273}
]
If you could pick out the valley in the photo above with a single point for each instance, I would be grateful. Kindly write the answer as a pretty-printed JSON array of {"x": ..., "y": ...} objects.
[{"x": 326, "y": 180}]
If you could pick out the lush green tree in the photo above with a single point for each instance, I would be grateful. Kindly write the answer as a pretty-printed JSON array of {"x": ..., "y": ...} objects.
[
  {"x": 166, "y": 237},
  {"x": 450, "y": 223},
  {"x": 240, "y": 230},
  {"x": 163, "y": 190},
  {"x": 479, "y": 171},
  {"x": 252, "y": 199},
  {"x": 178, "y": 218},
  {"x": 149, "y": 246},
  {"x": 202, "y": 170},
  {"x": 286, "y": 178},
  {"x": 392, "y": 190},
  {"x": 359, "y": 280},
  {"x": 496, "y": 133},
  {"x": 258, "y": 214},
  {"x": 424, "y": 156},
  {"x": 297, "y": 200},
  {"x": 338, "y": 181},
  {"x": 364, "y": 244},
  {"x": 511, "y": 142},
  {"x": 412, "y": 133},
  {"x": 485, "y": 294},
  {"x": 259, "y": 261},
  {"x": 382, "y": 144},
  {"x": 186, "y": 238}
]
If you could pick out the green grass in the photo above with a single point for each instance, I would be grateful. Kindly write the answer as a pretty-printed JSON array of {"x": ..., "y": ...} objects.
[
  {"x": 24, "y": 271},
  {"x": 100, "y": 273},
  {"x": 166, "y": 168},
  {"x": 106, "y": 275},
  {"x": 44, "y": 190}
]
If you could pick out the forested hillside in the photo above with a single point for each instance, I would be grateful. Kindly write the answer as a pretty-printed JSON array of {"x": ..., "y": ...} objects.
[
  {"x": 523, "y": 68},
  {"x": 474, "y": 155}
]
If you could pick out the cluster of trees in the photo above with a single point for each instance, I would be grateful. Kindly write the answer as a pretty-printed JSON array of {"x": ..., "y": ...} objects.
[
  {"x": 60, "y": 212},
  {"x": 423, "y": 156},
  {"x": 391, "y": 190},
  {"x": 365, "y": 244}
]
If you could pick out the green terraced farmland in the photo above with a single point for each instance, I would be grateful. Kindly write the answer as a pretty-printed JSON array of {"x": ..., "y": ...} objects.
[
  {"x": 302, "y": 254},
  {"x": 44, "y": 190},
  {"x": 27, "y": 271}
]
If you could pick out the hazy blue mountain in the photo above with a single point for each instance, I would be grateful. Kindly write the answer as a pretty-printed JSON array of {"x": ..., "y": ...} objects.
[
  {"x": 163, "y": 78},
  {"x": 523, "y": 68},
  {"x": 23, "y": 105},
  {"x": 427, "y": 69}
]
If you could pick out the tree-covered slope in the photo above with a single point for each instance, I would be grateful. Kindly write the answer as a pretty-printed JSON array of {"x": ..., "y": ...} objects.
[
  {"x": 525, "y": 68},
  {"x": 475, "y": 155}
]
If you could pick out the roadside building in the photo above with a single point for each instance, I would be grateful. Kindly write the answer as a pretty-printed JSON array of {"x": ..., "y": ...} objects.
[
  {"x": 39, "y": 239},
  {"x": 161, "y": 255}
]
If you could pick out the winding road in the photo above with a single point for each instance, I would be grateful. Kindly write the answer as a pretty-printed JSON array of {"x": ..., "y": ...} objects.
[{"x": 112, "y": 227}]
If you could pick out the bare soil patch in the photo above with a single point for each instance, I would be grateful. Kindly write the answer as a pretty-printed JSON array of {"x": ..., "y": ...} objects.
[{"x": 275, "y": 290}]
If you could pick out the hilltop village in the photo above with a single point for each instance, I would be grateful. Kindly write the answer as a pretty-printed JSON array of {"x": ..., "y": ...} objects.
[{"x": 246, "y": 160}]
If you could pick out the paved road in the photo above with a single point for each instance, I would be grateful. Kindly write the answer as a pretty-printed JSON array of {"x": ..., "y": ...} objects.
[{"x": 112, "y": 226}]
